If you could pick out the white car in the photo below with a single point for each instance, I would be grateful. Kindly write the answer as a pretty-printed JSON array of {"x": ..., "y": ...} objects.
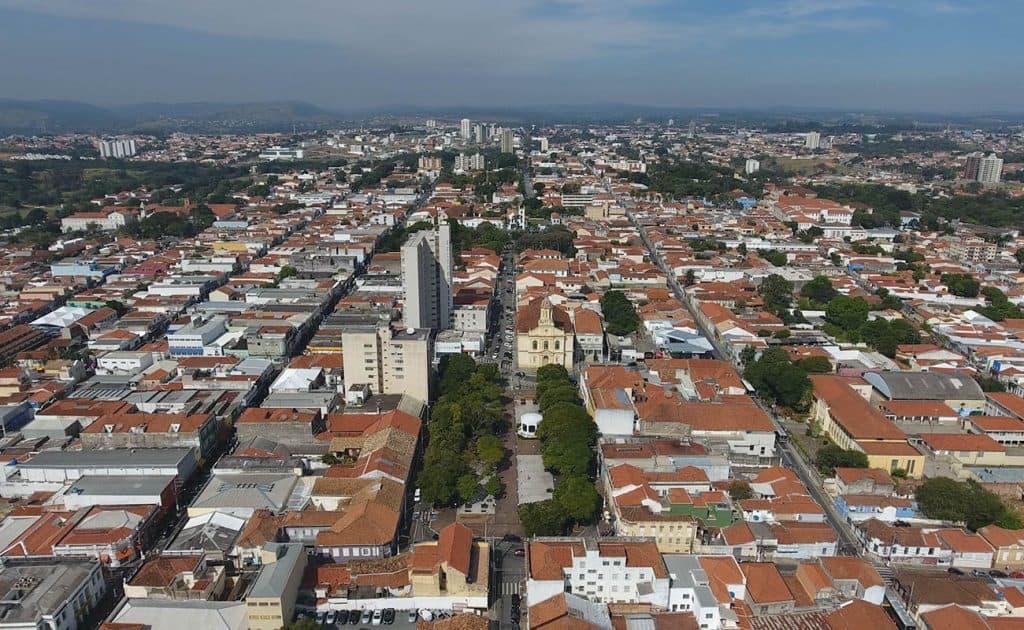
[{"x": 378, "y": 616}]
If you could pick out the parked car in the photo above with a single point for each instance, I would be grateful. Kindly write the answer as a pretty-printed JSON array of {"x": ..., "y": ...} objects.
[
  {"x": 377, "y": 618},
  {"x": 332, "y": 617},
  {"x": 998, "y": 574},
  {"x": 1017, "y": 575},
  {"x": 413, "y": 616},
  {"x": 365, "y": 617},
  {"x": 519, "y": 553},
  {"x": 955, "y": 571},
  {"x": 389, "y": 616},
  {"x": 321, "y": 617},
  {"x": 343, "y": 617}
]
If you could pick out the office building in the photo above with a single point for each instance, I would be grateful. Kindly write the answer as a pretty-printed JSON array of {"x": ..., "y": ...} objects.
[
  {"x": 812, "y": 140},
  {"x": 507, "y": 141},
  {"x": 465, "y": 129},
  {"x": 427, "y": 277},
  {"x": 987, "y": 169},
  {"x": 117, "y": 148},
  {"x": 50, "y": 593},
  {"x": 752, "y": 167},
  {"x": 388, "y": 361}
]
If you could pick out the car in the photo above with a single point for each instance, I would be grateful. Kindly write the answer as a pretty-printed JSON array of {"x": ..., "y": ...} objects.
[
  {"x": 996, "y": 573},
  {"x": 389, "y": 616},
  {"x": 332, "y": 617},
  {"x": 354, "y": 617},
  {"x": 342, "y": 617},
  {"x": 377, "y": 618},
  {"x": 416, "y": 495},
  {"x": 321, "y": 617},
  {"x": 978, "y": 573},
  {"x": 1017, "y": 575},
  {"x": 365, "y": 617},
  {"x": 519, "y": 553},
  {"x": 516, "y": 599},
  {"x": 413, "y": 616}
]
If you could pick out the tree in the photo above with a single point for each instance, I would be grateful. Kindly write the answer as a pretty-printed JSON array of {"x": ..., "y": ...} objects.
[
  {"x": 490, "y": 450},
  {"x": 468, "y": 485},
  {"x": 833, "y": 456},
  {"x": 849, "y": 313},
  {"x": 961, "y": 284},
  {"x": 1019, "y": 255},
  {"x": 578, "y": 498},
  {"x": 556, "y": 394},
  {"x": 690, "y": 278},
  {"x": 816, "y": 365},
  {"x": 455, "y": 372},
  {"x": 494, "y": 487},
  {"x": 776, "y": 292},
  {"x": 619, "y": 315},
  {"x": 543, "y": 518},
  {"x": 778, "y": 378},
  {"x": 963, "y": 502},
  {"x": 552, "y": 372},
  {"x": 819, "y": 290},
  {"x": 740, "y": 490},
  {"x": 303, "y": 624},
  {"x": 773, "y": 256}
]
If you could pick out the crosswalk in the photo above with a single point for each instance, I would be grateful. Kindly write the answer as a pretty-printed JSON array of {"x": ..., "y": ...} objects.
[{"x": 509, "y": 588}]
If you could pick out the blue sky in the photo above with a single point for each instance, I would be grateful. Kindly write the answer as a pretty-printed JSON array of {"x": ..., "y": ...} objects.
[{"x": 918, "y": 55}]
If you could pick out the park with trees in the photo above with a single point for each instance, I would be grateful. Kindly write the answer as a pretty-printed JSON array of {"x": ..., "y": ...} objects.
[{"x": 568, "y": 436}]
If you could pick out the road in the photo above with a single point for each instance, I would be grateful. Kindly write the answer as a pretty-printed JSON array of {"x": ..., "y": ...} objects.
[{"x": 792, "y": 458}]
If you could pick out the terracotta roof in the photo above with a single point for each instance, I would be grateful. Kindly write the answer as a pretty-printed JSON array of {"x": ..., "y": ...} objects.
[
  {"x": 764, "y": 583},
  {"x": 963, "y": 542},
  {"x": 852, "y": 412},
  {"x": 860, "y": 615},
  {"x": 528, "y": 317},
  {"x": 160, "y": 571},
  {"x": 722, "y": 571},
  {"x": 972, "y": 442},
  {"x": 455, "y": 544}
]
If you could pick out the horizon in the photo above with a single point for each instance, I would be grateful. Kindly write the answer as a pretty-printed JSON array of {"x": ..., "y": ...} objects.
[{"x": 867, "y": 56}]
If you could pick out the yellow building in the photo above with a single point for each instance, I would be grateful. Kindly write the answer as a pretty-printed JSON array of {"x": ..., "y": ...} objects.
[
  {"x": 544, "y": 336},
  {"x": 852, "y": 422},
  {"x": 270, "y": 602},
  {"x": 453, "y": 566}
]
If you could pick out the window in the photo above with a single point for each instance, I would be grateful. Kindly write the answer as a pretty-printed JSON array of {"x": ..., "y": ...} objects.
[
  {"x": 557, "y": 343},
  {"x": 534, "y": 344},
  {"x": 545, "y": 345}
]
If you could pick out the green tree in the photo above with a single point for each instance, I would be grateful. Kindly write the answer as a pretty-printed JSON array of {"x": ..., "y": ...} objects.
[
  {"x": 556, "y": 394},
  {"x": 619, "y": 315},
  {"x": 578, "y": 498},
  {"x": 467, "y": 486},
  {"x": 455, "y": 372},
  {"x": 816, "y": 365},
  {"x": 819, "y": 290},
  {"x": 776, "y": 292},
  {"x": 849, "y": 313},
  {"x": 494, "y": 487},
  {"x": 490, "y": 450},
  {"x": 552, "y": 372},
  {"x": 778, "y": 378},
  {"x": 773, "y": 256},
  {"x": 961, "y": 284},
  {"x": 740, "y": 490},
  {"x": 543, "y": 518},
  {"x": 833, "y": 456}
]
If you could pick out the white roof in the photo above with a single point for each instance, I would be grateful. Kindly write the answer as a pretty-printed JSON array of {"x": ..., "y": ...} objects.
[
  {"x": 63, "y": 316},
  {"x": 161, "y": 614},
  {"x": 296, "y": 379}
]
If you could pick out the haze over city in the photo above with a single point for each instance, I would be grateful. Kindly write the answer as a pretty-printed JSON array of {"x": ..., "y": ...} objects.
[{"x": 910, "y": 55}]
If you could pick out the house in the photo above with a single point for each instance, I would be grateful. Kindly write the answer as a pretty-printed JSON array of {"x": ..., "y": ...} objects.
[
  {"x": 589, "y": 335},
  {"x": 855, "y": 578},
  {"x": 1008, "y": 545},
  {"x": 452, "y": 566},
  {"x": 909, "y": 545},
  {"x": 969, "y": 551},
  {"x": 864, "y": 481}
]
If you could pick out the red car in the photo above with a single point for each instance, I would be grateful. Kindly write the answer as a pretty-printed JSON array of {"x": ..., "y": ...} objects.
[
  {"x": 519, "y": 553},
  {"x": 1017, "y": 575}
]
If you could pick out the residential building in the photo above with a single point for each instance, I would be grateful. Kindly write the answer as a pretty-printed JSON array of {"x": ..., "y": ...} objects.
[
  {"x": 507, "y": 141},
  {"x": 389, "y": 361},
  {"x": 427, "y": 278}
]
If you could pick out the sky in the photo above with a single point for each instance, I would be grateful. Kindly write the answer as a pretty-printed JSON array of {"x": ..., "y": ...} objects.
[{"x": 852, "y": 55}]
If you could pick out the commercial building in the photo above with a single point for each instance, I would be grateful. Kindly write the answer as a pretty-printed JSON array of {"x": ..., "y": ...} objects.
[
  {"x": 57, "y": 595},
  {"x": 270, "y": 602},
  {"x": 427, "y": 277}
]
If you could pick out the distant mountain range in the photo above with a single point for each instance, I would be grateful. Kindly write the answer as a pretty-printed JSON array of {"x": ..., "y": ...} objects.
[{"x": 50, "y": 116}]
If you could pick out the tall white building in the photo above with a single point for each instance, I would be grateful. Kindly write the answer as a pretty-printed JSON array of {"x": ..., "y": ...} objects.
[
  {"x": 987, "y": 169},
  {"x": 427, "y": 278},
  {"x": 507, "y": 141},
  {"x": 463, "y": 162},
  {"x": 812, "y": 140},
  {"x": 543, "y": 143},
  {"x": 752, "y": 166},
  {"x": 389, "y": 361},
  {"x": 117, "y": 148},
  {"x": 431, "y": 123},
  {"x": 479, "y": 133},
  {"x": 465, "y": 129}
]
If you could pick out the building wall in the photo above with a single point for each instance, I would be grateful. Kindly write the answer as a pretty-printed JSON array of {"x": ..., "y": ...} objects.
[
  {"x": 671, "y": 536},
  {"x": 546, "y": 344}
]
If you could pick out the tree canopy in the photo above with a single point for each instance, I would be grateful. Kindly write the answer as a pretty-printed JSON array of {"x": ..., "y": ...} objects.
[
  {"x": 833, "y": 456},
  {"x": 776, "y": 377},
  {"x": 964, "y": 502},
  {"x": 619, "y": 314}
]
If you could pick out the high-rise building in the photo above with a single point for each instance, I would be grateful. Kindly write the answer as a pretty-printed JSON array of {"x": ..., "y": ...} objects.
[
  {"x": 477, "y": 162},
  {"x": 812, "y": 140},
  {"x": 542, "y": 143},
  {"x": 117, "y": 148},
  {"x": 691, "y": 132},
  {"x": 465, "y": 129},
  {"x": 752, "y": 166},
  {"x": 507, "y": 141},
  {"x": 387, "y": 360},
  {"x": 431, "y": 124},
  {"x": 427, "y": 278},
  {"x": 987, "y": 169},
  {"x": 479, "y": 133}
]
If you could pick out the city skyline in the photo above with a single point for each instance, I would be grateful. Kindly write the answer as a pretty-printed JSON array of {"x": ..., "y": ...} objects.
[{"x": 853, "y": 54}]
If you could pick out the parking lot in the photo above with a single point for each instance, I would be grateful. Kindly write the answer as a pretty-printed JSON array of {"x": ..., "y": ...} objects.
[{"x": 401, "y": 622}]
